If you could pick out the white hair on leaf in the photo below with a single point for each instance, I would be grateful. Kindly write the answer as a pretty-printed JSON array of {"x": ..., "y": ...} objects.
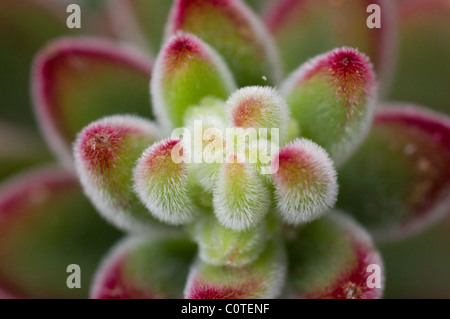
[
  {"x": 240, "y": 198},
  {"x": 163, "y": 185},
  {"x": 306, "y": 183},
  {"x": 104, "y": 155},
  {"x": 258, "y": 107}
]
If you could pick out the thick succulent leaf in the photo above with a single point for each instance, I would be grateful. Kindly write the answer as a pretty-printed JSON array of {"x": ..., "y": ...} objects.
[
  {"x": 330, "y": 258},
  {"x": 163, "y": 182},
  {"x": 235, "y": 32},
  {"x": 145, "y": 268},
  {"x": 264, "y": 278},
  {"x": 305, "y": 182},
  {"x": 240, "y": 197},
  {"x": 140, "y": 21},
  {"x": 221, "y": 246},
  {"x": 259, "y": 108},
  {"x": 77, "y": 81},
  {"x": 25, "y": 25},
  {"x": 423, "y": 72},
  {"x": 186, "y": 71},
  {"x": 332, "y": 97},
  {"x": 105, "y": 154},
  {"x": 305, "y": 28},
  {"x": 19, "y": 148},
  {"x": 399, "y": 180},
  {"x": 46, "y": 224}
]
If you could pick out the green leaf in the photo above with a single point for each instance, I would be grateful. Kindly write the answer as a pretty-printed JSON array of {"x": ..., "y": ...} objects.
[
  {"x": 330, "y": 258},
  {"x": 47, "y": 224},
  {"x": 186, "y": 71},
  {"x": 332, "y": 97},
  {"x": 264, "y": 278},
  {"x": 145, "y": 268},
  {"x": 399, "y": 180},
  {"x": 235, "y": 32},
  {"x": 105, "y": 154},
  {"x": 305, "y": 28},
  {"x": 77, "y": 81}
]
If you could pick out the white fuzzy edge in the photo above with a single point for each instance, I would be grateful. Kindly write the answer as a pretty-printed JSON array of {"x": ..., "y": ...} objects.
[
  {"x": 159, "y": 105},
  {"x": 326, "y": 164},
  {"x": 259, "y": 194},
  {"x": 262, "y": 34},
  {"x": 276, "y": 276},
  {"x": 182, "y": 212},
  {"x": 347, "y": 147},
  {"x": 266, "y": 94},
  {"x": 113, "y": 255},
  {"x": 104, "y": 204},
  {"x": 360, "y": 235},
  {"x": 45, "y": 121}
]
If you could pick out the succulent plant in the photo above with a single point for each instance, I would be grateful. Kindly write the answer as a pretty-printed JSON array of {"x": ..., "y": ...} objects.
[{"x": 235, "y": 149}]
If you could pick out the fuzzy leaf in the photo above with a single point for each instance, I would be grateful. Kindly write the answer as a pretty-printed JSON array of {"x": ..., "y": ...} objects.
[
  {"x": 77, "y": 81},
  {"x": 332, "y": 97},
  {"x": 144, "y": 268},
  {"x": 399, "y": 180},
  {"x": 423, "y": 71},
  {"x": 162, "y": 181},
  {"x": 46, "y": 224},
  {"x": 240, "y": 197},
  {"x": 305, "y": 182},
  {"x": 105, "y": 154},
  {"x": 330, "y": 258},
  {"x": 264, "y": 278},
  {"x": 186, "y": 71},
  {"x": 235, "y": 32},
  {"x": 221, "y": 246},
  {"x": 260, "y": 108},
  {"x": 305, "y": 28}
]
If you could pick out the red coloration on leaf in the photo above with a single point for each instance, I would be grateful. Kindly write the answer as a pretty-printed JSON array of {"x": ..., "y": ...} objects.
[
  {"x": 202, "y": 290},
  {"x": 100, "y": 146},
  {"x": 20, "y": 193},
  {"x": 350, "y": 72},
  {"x": 246, "y": 114},
  {"x": 16, "y": 198},
  {"x": 352, "y": 284},
  {"x": 66, "y": 54},
  {"x": 292, "y": 162},
  {"x": 160, "y": 158},
  {"x": 182, "y": 49},
  {"x": 436, "y": 128},
  {"x": 114, "y": 285}
]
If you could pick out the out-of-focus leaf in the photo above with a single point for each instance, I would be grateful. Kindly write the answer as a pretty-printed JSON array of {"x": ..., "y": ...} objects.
[
  {"x": 46, "y": 224},
  {"x": 399, "y": 180}
]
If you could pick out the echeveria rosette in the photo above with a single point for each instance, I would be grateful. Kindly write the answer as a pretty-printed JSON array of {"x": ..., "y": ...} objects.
[{"x": 260, "y": 220}]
